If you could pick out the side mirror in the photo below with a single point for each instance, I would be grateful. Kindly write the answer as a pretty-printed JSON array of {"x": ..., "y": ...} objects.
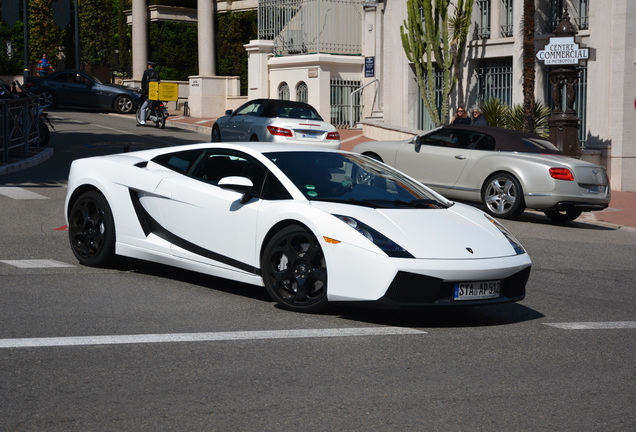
[
  {"x": 228, "y": 112},
  {"x": 418, "y": 143},
  {"x": 238, "y": 184}
]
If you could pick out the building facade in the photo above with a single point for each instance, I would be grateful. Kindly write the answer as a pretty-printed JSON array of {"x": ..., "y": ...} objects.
[{"x": 346, "y": 58}]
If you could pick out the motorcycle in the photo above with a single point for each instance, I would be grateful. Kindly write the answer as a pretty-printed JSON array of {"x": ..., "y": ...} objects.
[{"x": 156, "y": 113}]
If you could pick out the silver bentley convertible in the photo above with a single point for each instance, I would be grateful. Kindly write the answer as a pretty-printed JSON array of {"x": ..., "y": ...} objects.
[{"x": 506, "y": 171}]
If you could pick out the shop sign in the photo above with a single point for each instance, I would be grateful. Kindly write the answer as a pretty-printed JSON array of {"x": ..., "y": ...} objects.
[{"x": 563, "y": 51}]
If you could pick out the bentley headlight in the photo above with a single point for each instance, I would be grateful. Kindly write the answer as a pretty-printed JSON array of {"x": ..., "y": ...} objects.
[
  {"x": 513, "y": 241},
  {"x": 387, "y": 245}
]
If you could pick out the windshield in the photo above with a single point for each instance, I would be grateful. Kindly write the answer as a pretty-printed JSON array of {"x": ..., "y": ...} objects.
[{"x": 353, "y": 179}]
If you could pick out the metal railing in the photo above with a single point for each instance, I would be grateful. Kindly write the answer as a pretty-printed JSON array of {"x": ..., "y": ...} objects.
[
  {"x": 311, "y": 26},
  {"x": 352, "y": 120},
  {"x": 19, "y": 127}
]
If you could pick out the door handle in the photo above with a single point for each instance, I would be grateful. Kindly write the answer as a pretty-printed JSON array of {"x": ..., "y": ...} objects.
[{"x": 461, "y": 157}]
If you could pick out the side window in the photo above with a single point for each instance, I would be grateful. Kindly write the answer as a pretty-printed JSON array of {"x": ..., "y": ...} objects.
[
  {"x": 214, "y": 165},
  {"x": 273, "y": 189},
  {"x": 180, "y": 162},
  {"x": 479, "y": 141},
  {"x": 447, "y": 138}
]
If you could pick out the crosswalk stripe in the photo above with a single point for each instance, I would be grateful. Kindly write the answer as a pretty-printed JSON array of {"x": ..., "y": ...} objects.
[
  {"x": 594, "y": 325},
  {"x": 206, "y": 337},
  {"x": 20, "y": 193},
  {"x": 36, "y": 263}
]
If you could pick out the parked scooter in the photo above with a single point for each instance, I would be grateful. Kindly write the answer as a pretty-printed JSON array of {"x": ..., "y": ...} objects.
[
  {"x": 17, "y": 90},
  {"x": 156, "y": 113}
]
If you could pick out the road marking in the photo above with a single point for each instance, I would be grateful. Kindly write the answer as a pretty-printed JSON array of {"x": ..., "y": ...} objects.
[
  {"x": 205, "y": 337},
  {"x": 594, "y": 325},
  {"x": 20, "y": 193},
  {"x": 36, "y": 263}
]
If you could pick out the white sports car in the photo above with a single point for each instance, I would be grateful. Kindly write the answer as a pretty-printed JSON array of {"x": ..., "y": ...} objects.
[
  {"x": 276, "y": 120},
  {"x": 312, "y": 225}
]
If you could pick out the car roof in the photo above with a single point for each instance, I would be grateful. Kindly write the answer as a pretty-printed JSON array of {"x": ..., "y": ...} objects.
[{"x": 507, "y": 139}]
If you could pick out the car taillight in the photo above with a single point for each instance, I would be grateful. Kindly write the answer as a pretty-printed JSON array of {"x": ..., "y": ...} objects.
[
  {"x": 561, "y": 174},
  {"x": 333, "y": 136},
  {"x": 279, "y": 131}
]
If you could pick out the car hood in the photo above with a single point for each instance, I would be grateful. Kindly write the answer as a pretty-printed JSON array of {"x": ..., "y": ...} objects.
[{"x": 459, "y": 232}]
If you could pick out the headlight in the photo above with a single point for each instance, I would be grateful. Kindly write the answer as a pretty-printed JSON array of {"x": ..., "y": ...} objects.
[
  {"x": 513, "y": 241},
  {"x": 387, "y": 245}
]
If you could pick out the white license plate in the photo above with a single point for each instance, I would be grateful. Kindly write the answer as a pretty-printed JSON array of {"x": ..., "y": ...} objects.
[
  {"x": 310, "y": 134},
  {"x": 477, "y": 290}
]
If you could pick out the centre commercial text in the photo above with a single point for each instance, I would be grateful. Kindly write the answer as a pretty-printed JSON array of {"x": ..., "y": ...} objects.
[{"x": 562, "y": 51}]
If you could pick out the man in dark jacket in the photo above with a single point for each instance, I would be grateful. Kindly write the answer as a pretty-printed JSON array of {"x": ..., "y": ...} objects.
[{"x": 150, "y": 74}]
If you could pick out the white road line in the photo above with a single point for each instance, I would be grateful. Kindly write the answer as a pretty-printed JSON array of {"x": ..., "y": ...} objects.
[
  {"x": 205, "y": 337},
  {"x": 20, "y": 193},
  {"x": 594, "y": 325},
  {"x": 36, "y": 263}
]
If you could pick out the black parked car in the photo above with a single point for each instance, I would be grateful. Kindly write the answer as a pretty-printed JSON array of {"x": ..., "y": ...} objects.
[{"x": 80, "y": 89}]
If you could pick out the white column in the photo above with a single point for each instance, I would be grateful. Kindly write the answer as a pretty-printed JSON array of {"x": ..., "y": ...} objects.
[
  {"x": 258, "y": 54},
  {"x": 205, "y": 19},
  {"x": 139, "y": 38}
]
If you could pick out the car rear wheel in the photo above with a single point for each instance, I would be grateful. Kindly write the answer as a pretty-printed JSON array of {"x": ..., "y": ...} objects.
[
  {"x": 503, "y": 197},
  {"x": 563, "y": 215},
  {"x": 91, "y": 230},
  {"x": 216, "y": 134},
  {"x": 253, "y": 138},
  {"x": 124, "y": 105},
  {"x": 294, "y": 270}
]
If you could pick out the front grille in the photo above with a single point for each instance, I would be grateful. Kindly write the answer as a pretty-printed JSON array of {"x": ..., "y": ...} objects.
[{"x": 411, "y": 290}]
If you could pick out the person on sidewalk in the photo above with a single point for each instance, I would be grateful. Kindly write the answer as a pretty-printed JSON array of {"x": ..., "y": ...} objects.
[
  {"x": 44, "y": 66},
  {"x": 478, "y": 119},
  {"x": 150, "y": 74},
  {"x": 461, "y": 117}
]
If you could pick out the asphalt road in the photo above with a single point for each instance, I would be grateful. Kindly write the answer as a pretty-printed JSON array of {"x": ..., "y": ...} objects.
[{"x": 151, "y": 348}]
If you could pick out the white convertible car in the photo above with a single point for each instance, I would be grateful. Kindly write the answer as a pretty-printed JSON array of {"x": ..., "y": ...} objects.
[{"x": 312, "y": 225}]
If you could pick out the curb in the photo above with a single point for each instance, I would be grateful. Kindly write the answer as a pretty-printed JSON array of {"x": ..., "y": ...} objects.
[{"x": 32, "y": 161}]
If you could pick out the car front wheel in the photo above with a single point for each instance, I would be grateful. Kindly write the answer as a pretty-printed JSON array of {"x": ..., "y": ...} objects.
[
  {"x": 563, "y": 215},
  {"x": 294, "y": 270},
  {"x": 503, "y": 197},
  {"x": 91, "y": 230},
  {"x": 124, "y": 105}
]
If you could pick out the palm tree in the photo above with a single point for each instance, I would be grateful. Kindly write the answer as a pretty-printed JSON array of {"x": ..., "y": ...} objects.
[{"x": 528, "y": 64}]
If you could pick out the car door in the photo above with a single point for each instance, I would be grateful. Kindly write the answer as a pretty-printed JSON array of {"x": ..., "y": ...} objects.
[
  {"x": 208, "y": 223},
  {"x": 239, "y": 124},
  {"x": 437, "y": 159}
]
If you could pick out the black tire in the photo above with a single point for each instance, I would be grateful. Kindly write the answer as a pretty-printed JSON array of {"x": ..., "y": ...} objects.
[
  {"x": 47, "y": 99},
  {"x": 161, "y": 120},
  {"x": 91, "y": 230},
  {"x": 503, "y": 197},
  {"x": 124, "y": 104},
  {"x": 294, "y": 270},
  {"x": 216, "y": 134},
  {"x": 254, "y": 138},
  {"x": 563, "y": 216},
  {"x": 45, "y": 134}
]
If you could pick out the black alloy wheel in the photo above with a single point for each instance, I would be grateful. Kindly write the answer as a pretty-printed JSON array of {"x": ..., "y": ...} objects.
[
  {"x": 91, "y": 230},
  {"x": 294, "y": 270},
  {"x": 46, "y": 99}
]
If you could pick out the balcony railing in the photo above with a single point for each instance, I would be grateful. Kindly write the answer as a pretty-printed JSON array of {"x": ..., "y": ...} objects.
[{"x": 311, "y": 26}]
